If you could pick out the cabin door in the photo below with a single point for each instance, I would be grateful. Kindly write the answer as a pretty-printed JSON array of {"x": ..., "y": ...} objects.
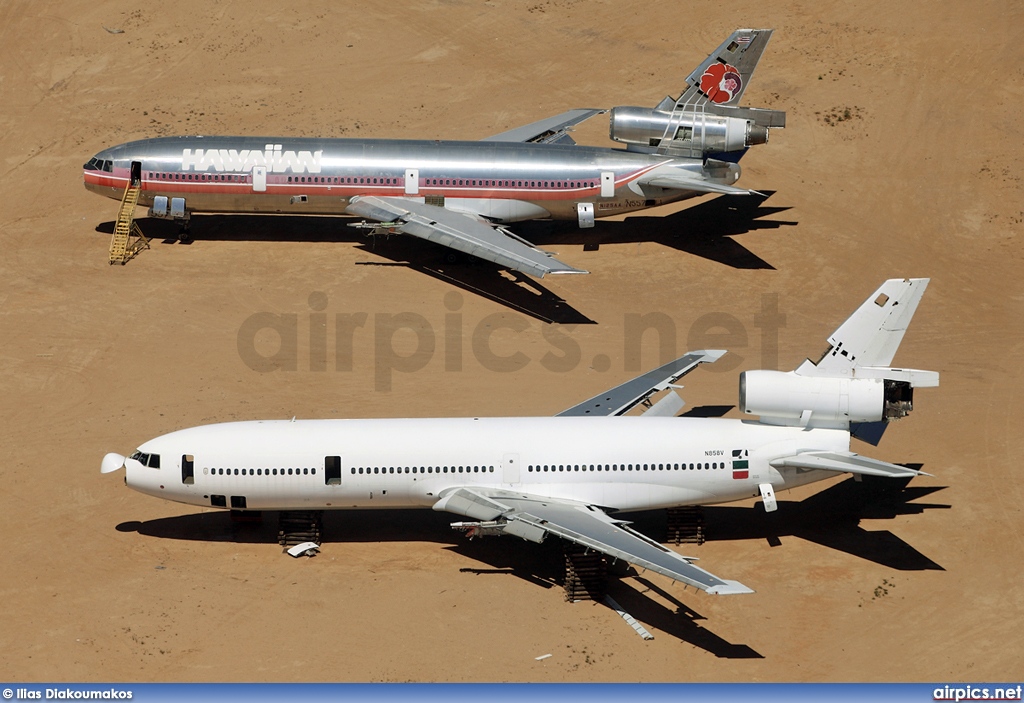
[
  {"x": 412, "y": 181},
  {"x": 510, "y": 469},
  {"x": 585, "y": 213},
  {"x": 259, "y": 179}
]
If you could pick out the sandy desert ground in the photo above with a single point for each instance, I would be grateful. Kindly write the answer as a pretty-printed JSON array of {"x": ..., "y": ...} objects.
[{"x": 901, "y": 157}]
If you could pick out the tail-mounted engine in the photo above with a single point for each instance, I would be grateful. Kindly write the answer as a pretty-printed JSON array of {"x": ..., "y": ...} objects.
[
  {"x": 877, "y": 394},
  {"x": 693, "y": 132}
]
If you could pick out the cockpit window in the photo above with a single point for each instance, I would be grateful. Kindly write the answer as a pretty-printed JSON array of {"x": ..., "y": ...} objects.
[
  {"x": 96, "y": 164},
  {"x": 150, "y": 460}
]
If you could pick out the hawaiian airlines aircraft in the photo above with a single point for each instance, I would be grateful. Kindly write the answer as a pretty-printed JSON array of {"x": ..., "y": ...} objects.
[
  {"x": 563, "y": 475},
  {"x": 460, "y": 193}
]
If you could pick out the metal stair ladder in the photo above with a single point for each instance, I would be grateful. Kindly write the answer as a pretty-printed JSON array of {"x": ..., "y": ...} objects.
[{"x": 128, "y": 239}]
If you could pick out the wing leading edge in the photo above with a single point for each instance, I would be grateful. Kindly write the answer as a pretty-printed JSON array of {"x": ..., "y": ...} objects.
[
  {"x": 534, "y": 517},
  {"x": 551, "y": 130},
  {"x": 458, "y": 231},
  {"x": 624, "y": 397}
]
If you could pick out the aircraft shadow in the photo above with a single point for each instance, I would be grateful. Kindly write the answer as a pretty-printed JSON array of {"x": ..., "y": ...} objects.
[
  {"x": 510, "y": 289},
  {"x": 538, "y": 564},
  {"x": 682, "y": 622},
  {"x": 830, "y": 518},
  {"x": 708, "y": 411},
  {"x": 705, "y": 229},
  {"x": 339, "y": 526}
]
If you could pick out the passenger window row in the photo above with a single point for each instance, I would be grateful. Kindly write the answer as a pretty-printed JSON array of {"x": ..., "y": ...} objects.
[
  {"x": 424, "y": 470},
  {"x": 227, "y": 177},
  {"x": 364, "y": 180},
  {"x": 263, "y": 472},
  {"x": 628, "y": 467}
]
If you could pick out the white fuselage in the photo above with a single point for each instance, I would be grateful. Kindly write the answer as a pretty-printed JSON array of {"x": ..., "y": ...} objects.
[{"x": 619, "y": 463}]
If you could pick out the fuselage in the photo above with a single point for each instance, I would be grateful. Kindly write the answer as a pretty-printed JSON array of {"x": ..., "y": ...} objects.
[
  {"x": 503, "y": 181},
  {"x": 619, "y": 463}
]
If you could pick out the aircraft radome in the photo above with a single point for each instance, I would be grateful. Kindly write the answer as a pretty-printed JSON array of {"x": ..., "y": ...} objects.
[
  {"x": 461, "y": 194},
  {"x": 567, "y": 475}
]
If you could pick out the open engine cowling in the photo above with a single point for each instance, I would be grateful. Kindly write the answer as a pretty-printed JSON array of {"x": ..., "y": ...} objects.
[
  {"x": 788, "y": 395},
  {"x": 697, "y": 131}
]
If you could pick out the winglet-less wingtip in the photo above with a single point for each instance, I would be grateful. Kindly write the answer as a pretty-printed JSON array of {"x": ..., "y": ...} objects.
[{"x": 729, "y": 588}]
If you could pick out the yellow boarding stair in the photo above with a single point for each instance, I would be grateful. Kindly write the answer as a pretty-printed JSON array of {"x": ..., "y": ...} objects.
[{"x": 128, "y": 239}]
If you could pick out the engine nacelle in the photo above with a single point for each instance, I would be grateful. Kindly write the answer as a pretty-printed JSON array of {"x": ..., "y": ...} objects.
[
  {"x": 695, "y": 131},
  {"x": 777, "y": 394}
]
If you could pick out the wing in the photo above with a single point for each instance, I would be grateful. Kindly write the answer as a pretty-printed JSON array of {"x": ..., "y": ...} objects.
[
  {"x": 534, "y": 517},
  {"x": 622, "y": 398},
  {"x": 553, "y": 130},
  {"x": 846, "y": 462},
  {"x": 459, "y": 231}
]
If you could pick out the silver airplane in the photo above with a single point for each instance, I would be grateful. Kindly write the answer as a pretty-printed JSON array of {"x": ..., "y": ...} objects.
[{"x": 460, "y": 194}]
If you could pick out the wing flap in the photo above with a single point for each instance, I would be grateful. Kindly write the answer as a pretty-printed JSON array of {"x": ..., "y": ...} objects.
[
  {"x": 551, "y": 130},
  {"x": 460, "y": 232},
  {"x": 846, "y": 462},
  {"x": 533, "y": 517},
  {"x": 628, "y": 395}
]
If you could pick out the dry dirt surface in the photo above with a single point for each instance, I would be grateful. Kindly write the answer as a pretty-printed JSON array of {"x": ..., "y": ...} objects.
[{"x": 901, "y": 157}]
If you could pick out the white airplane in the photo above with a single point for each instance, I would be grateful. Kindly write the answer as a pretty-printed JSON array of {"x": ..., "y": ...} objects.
[
  {"x": 565, "y": 475},
  {"x": 460, "y": 194}
]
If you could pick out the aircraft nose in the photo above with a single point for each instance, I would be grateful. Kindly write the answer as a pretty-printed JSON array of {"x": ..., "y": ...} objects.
[{"x": 111, "y": 462}]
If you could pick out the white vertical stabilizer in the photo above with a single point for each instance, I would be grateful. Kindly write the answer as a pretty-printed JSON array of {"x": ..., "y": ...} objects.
[{"x": 872, "y": 334}]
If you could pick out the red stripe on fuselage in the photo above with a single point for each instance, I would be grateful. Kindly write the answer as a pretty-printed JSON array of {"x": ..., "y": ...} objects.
[{"x": 118, "y": 180}]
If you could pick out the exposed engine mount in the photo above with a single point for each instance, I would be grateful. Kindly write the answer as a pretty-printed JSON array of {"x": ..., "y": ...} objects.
[{"x": 787, "y": 395}]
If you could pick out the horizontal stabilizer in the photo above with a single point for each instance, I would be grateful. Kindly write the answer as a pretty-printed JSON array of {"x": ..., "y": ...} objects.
[
  {"x": 846, "y": 462},
  {"x": 682, "y": 182}
]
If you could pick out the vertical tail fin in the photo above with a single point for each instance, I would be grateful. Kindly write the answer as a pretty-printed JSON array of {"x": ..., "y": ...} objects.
[
  {"x": 872, "y": 334},
  {"x": 723, "y": 76}
]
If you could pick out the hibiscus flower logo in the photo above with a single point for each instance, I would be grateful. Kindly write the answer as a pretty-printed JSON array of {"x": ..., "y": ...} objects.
[{"x": 720, "y": 82}]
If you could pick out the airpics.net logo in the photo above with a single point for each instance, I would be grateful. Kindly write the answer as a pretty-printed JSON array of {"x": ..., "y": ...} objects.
[
  {"x": 408, "y": 342},
  {"x": 962, "y": 692}
]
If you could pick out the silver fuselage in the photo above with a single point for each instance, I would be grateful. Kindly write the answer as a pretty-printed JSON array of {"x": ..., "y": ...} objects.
[{"x": 504, "y": 181}]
